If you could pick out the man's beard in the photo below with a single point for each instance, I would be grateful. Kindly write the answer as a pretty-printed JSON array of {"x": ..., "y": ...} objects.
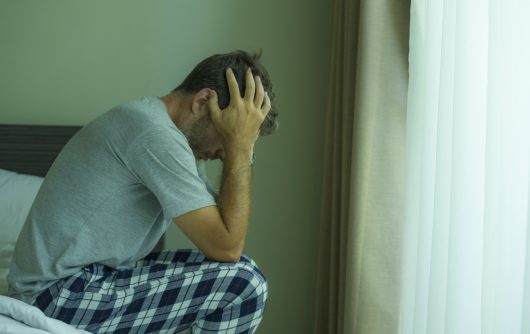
[{"x": 197, "y": 135}]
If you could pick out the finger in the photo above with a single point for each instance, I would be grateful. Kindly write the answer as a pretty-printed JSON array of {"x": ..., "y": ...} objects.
[
  {"x": 266, "y": 105},
  {"x": 233, "y": 87},
  {"x": 260, "y": 93},
  {"x": 250, "y": 86},
  {"x": 213, "y": 104}
]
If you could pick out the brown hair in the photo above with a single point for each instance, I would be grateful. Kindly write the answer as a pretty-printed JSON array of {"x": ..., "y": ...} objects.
[{"x": 210, "y": 73}]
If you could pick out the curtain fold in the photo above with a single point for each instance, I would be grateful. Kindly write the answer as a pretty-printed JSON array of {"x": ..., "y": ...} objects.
[
  {"x": 362, "y": 212},
  {"x": 466, "y": 255}
]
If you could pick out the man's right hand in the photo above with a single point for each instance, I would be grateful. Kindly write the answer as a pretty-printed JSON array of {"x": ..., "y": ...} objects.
[
  {"x": 220, "y": 231},
  {"x": 240, "y": 121}
]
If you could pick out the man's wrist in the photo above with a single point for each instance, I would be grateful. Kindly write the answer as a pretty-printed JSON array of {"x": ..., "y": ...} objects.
[{"x": 241, "y": 152}]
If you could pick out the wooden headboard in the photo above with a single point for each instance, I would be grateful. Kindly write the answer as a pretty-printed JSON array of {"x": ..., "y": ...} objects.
[{"x": 31, "y": 149}]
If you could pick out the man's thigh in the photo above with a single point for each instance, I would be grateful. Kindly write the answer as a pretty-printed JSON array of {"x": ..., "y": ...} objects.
[{"x": 167, "y": 291}]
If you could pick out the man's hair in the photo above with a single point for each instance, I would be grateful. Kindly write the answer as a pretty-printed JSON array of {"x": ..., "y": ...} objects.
[{"x": 210, "y": 73}]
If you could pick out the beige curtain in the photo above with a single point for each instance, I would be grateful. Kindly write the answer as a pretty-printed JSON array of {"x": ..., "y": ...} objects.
[{"x": 362, "y": 215}]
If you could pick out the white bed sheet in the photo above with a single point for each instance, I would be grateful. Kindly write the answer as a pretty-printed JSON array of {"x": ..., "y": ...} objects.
[
  {"x": 11, "y": 326},
  {"x": 20, "y": 318}
]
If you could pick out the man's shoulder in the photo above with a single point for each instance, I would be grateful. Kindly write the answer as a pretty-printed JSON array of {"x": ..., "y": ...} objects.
[
  {"x": 132, "y": 119},
  {"x": 146, "y": 110}
]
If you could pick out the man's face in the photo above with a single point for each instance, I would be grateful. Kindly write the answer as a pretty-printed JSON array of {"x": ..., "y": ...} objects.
[{"x": 205, "y": 140}]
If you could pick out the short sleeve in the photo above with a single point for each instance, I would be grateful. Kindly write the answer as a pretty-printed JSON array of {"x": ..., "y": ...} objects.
[{"x": 163, "y": 161}]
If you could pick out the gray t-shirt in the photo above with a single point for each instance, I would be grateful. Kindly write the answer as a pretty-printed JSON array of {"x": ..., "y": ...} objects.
[{"x": 108, "y": 198}]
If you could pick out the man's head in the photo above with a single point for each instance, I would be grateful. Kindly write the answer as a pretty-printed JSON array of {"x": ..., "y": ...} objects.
[{"x": 211, "y": 73}]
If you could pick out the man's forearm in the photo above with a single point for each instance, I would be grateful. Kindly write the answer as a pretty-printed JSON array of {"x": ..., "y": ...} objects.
[
  {"x": 239, "y": 125},
  {"x": 234, "y": 195}
]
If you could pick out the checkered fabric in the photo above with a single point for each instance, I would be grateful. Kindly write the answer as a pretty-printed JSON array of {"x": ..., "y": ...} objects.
[{"x": 166, "y": 292}]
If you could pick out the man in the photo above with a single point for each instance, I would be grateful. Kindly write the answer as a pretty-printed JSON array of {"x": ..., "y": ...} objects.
[{"x": 82, "y": 256}]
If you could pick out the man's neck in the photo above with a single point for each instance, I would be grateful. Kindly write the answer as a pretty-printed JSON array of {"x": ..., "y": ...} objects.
[{"x": 174, "y": 102}]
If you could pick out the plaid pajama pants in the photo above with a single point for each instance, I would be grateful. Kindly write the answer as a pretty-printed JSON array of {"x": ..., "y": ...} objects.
[{"x": 166, "y": 292}]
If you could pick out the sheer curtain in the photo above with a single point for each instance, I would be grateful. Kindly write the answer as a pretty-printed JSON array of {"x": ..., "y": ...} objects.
[{"x": 466, "y": 261}]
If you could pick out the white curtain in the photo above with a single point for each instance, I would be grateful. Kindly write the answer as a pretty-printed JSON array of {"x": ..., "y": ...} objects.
[{"x": 466, "y": 266}]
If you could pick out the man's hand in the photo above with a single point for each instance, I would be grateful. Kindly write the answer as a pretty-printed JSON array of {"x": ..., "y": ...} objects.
[
  {"x": 220, "y": 231},
  {"x": 239, "y": 123}
]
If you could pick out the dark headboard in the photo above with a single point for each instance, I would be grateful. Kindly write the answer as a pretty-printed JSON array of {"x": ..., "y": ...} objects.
[{"x": 31, "y": 149}]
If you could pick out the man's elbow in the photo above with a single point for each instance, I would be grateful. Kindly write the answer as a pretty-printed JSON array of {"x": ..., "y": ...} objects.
[{"x": 228, "y": 256}]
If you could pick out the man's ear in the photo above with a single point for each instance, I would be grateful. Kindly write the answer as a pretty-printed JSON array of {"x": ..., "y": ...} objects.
[{"x": 199, "y": 104}]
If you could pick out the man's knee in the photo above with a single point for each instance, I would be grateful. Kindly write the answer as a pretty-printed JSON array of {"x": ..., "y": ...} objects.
[{"x": 249, "y": 271}]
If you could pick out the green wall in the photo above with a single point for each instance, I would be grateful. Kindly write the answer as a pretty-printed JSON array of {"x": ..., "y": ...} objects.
[{"x": 66, "y": 62}]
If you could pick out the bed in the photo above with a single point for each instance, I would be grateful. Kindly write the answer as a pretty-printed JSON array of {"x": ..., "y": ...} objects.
[{"x": 26, "y": 154}]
